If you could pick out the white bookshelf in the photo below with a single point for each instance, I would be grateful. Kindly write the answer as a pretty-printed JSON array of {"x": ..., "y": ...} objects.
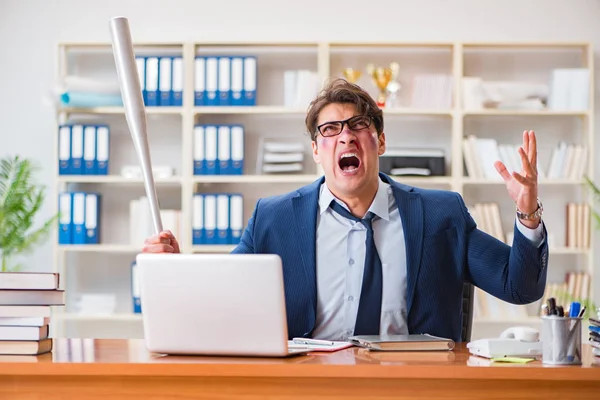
[{"x": 170, "y": 137}]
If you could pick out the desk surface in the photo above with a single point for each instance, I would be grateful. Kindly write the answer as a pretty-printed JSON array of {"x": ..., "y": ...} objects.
[
  {"x": 124, "y": 369},
  {"x": 130, "y": 357}
]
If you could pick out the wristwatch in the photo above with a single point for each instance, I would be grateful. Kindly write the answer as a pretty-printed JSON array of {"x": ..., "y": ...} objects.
[{"x": 534, "y": 215}]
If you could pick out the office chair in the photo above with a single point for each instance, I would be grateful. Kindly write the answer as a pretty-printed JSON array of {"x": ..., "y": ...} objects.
[{"x": 467, "y": 311}]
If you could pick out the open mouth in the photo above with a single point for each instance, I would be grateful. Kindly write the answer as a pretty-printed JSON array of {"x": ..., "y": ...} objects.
[{"x": 349, "y": 162}]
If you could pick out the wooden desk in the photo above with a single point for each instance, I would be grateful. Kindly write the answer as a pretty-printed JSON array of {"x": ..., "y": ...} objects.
[{"x": 119, "y": 369}]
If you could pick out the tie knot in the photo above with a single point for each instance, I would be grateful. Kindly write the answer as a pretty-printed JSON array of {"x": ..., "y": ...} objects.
[{"x": 366, "y": 221}]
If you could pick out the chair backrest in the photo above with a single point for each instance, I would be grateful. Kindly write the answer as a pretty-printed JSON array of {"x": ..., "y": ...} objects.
[{"x": 467, "y": 311}]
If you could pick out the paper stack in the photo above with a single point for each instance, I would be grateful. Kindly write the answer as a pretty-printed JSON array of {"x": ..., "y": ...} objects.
[
  {"x": 282, "y": 157},
  {"x": 26, "y": 299}
]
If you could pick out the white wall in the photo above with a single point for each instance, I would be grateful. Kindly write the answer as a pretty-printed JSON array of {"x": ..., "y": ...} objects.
[{"x": 31, "y": 29}]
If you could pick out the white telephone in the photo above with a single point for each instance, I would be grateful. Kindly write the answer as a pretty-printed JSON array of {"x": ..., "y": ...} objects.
[{"x": 518, "y": 341}]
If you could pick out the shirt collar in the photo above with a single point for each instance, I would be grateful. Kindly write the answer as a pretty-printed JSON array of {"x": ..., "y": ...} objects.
[{"x": 380, "y": 205}]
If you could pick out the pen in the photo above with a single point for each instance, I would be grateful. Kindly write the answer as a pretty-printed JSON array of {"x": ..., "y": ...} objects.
[
  {"x": 559, "y": 311},
  {"x": 574, "y": 309},
  {"x": 313, "y": 341},
  {"x": 581, "y": 312},
  {"x": 551, "y": 306}
]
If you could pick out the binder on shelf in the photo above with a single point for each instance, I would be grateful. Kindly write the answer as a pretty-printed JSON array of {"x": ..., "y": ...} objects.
[
  {"x": 224, "y": 150},
  {"x": 89, "y": 149},
  {"x": 224, "y": 86},
  {"x": 236, "y": 217},
  {"x": 102, "y": 149},
  {"x": 212, "y": 82},
  {"x": 140, "y": 62},
  {"x": 92, "y": 210},
  {"x": 199, "y": 150},
  {"x": 177, "y": 81},
  {"x": 64, "y": 150},
  {"x": 78, "y": 217},
  {"x": 200, "y": 81},
  {"x": 237, "y": 150},
  {"x": 77, "y": 149},
  {"x": 237, "y": 81},
  {"x": 250, "y": 81},
  {"x": 152, "y": 73},
  {"x": 135, "y": 289},
  {"x": 210, "y": 218},
  {"x": 198, "y": 236},
  {"x": 65, "y": 205},
  {"x": 210, "y": 150},
  {"x": 164, "y": 81},
  {"x": 223, "y": 227}
]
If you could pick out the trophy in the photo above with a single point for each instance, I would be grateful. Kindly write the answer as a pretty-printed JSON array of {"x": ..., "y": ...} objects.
[
  {"x": 381, "y": 77},
  {"x": 393, "y": 86},
  {"x": 352, "y": 75}
]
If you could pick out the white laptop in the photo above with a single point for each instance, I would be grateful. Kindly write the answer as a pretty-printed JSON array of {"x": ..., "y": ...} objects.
[{"x": 214, "y": 304}]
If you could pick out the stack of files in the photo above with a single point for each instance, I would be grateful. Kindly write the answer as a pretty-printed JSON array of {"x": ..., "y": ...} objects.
[
  {"x": 85, "y": 92},
  {"x": 569, "y": 89},
  {"x": 161, "y": 80},
  {"x": 217, "y": 218},
  {"x": 218, "y": 150},
  {"x": 140, "y": 221},
  {"x": 575, "y": 287},
  {"x": 432, "y": 91},
  {"x": 487, "y": 217},
  {"x": 299, "y": 88},
  {"x": 480, "y": 154},
  {"x": 578, "y": 221},
  {"x": 225, "y": 80},
  {"x": 281, "y": 157},
  {"x": 412, "y": 342},
  {"x": 79, "y": 218},
  {"x": 568, "y": 161},
  {"x": 83, "y": 149},
  {"x": 26, "y": 299}
]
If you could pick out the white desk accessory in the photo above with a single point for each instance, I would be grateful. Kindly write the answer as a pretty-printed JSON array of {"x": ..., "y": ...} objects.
[{"x": 517, "y": 341}]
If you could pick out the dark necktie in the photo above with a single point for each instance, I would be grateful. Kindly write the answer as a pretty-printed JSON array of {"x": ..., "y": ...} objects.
[{"x": 369, "y": 307}]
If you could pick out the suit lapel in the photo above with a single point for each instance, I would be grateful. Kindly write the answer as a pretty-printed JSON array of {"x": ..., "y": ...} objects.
[
  {"x": 410, "y": 207},
  {"x": 305, "y": 216}
]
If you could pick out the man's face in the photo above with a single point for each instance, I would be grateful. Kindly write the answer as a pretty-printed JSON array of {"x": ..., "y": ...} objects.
[{"x": 350, "y": 160}]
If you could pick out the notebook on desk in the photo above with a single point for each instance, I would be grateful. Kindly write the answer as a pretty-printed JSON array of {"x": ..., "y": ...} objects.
[{"x": 414, "y": 342}]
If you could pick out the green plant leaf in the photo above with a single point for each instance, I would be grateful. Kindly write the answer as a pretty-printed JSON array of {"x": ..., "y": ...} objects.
[{"x": 20, "y": 201}]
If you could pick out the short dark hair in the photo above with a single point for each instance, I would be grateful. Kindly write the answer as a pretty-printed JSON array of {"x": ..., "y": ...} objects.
[{"x": 341, "y": 91}]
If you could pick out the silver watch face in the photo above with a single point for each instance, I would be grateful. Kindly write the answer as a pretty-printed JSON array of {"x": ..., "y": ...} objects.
[{"x": 537, "y": 213}]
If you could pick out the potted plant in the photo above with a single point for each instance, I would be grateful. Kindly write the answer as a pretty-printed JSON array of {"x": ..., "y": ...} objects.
[{"x": 20, "y": 200}]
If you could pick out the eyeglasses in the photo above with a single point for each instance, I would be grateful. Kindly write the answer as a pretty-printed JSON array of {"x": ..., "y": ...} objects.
[{"x": 334, "y": 128}]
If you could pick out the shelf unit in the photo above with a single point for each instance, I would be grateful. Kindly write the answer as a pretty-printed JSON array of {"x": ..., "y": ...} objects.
[{"x": 444, "y": 128}]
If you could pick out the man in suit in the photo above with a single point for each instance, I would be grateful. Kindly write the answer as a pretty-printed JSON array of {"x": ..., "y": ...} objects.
[{"x": 364, "y": 254}]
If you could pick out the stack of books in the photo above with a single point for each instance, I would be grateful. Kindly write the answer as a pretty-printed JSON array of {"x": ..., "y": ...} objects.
[{"x": 26, "y": 299}]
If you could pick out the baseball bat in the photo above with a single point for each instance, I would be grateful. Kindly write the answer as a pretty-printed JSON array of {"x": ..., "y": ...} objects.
[{"x": 135, "y": 113}]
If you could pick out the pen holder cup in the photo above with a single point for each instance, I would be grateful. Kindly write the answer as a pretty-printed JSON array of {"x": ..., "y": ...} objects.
[{"x": 561, "y": 340}]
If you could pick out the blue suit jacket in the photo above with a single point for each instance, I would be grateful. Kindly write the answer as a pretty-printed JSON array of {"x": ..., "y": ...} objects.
[{"x": 443, "y": 245}]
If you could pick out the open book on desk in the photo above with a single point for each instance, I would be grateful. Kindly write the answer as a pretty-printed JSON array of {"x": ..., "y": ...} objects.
[
  {"x": 414, "y": 342},
  {"x": 318, "y": 345}
]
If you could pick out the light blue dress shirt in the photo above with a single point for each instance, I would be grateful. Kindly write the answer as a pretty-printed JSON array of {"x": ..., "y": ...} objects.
[{"x": 340, "y": 248}]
